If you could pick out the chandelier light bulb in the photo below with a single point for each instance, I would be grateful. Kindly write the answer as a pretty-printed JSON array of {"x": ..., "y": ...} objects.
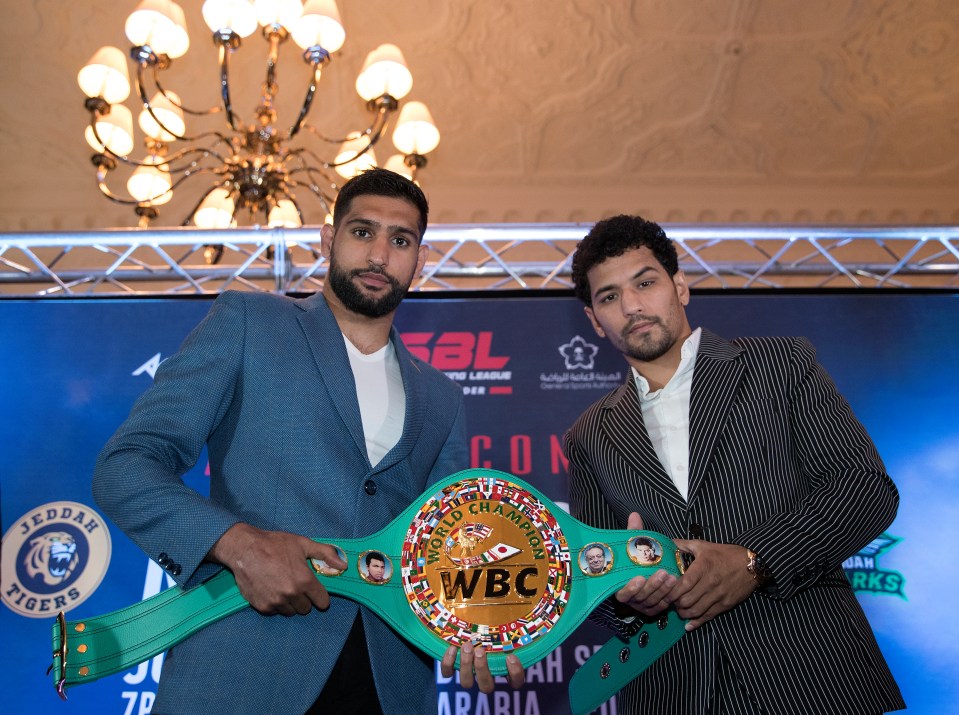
[
  {"x": 416, "y": 132},
  {"x": 216, "y": 210},
  {"x": 278, "y": 12},
  {"x": 236, "y": 15},
  {"x": 396, "y": 164},
  {"x": 319, "y": 25},
  {"x": 106, "y": 75},
  {"x": 161, "y": 25},
  {"x": 115, "y": 130},
  {"x": 284, "y": 215},
  {"x": 151, "y": 184},
  {"x": 384, "y": 72},
  {"x": 165, "y": 107},
  {"x": 350, "y": 150}
]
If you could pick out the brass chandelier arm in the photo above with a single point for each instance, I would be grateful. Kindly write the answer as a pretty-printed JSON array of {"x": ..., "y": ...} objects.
[
  {"x": 274, "y": 35},
  {"x": 226, "y": 42},
  {"x": 326, "y": 201},
  {"x": 383, "y": 106},
  {"x": 180, "y": 105},
  {"x": 95, "y": 112},
  {"x": 302, "y": 151},
  {"x": 308, "y": 100},
  {"x": 140, "y": 86},
  {"x": 105, "y": 190}
]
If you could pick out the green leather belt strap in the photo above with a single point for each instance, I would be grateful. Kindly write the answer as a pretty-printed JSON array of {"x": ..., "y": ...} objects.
[
  {"x": 480, "y": 557},
  {"x": 609, "y": 669}
]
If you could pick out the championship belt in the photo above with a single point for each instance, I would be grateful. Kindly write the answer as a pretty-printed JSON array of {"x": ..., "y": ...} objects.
[{"x": 481, "y": 557}]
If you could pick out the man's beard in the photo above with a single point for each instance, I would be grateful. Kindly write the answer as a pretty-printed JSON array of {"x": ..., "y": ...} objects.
[
  {"x": 353, "y": 298},
  {"x": 649, "y": 347}
]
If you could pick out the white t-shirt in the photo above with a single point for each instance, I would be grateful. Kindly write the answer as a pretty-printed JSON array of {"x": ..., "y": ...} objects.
[{"x": 379, "y": 390}]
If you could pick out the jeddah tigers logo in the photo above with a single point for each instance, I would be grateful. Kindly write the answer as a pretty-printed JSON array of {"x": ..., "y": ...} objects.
[{"x": 54, "y": 557}]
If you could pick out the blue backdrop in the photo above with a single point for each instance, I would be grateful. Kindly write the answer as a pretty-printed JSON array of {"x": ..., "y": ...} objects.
[{"x": 71, "y": 369}]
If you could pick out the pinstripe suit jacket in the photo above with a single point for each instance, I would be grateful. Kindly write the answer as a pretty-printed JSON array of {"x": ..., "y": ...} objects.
[
  {"x": 266, "y": 383},
  {"x": 778, "y": 464}
]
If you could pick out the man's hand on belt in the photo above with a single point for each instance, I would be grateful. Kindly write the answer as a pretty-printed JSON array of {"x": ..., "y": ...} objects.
[{"x": 271, "y": 568}]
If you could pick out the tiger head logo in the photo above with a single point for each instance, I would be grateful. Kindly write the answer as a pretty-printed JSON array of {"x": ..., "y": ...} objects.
[
  {"x": 51, "y": 556},
  {"x": 54, "y": 557}
]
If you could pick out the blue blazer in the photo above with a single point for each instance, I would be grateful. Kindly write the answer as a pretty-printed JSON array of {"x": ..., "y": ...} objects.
[{"x": 265, "y": 382}]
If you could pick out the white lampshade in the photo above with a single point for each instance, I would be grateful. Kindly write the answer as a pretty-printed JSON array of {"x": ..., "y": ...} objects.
[
  {"x": 319, "y": 25},
  {"x": 160, "y": 24},
  {"x": 350, "y": 149},
  {"x": 106, "y": 75},
  {"x": 115, "y": 129},
  {"x": 415, "y": 131},
  {"x": 396, "y": 164},
  {"x": 166, "y": 109},
  {"x": 284, "y": 214},
  {"x": 278, "y": 12},
  {"x": 216, "y": 210},
  {"x": 384, "y": 72},
  {"x": 151, "y": 183},
  {"x": 236, "y": 15}
]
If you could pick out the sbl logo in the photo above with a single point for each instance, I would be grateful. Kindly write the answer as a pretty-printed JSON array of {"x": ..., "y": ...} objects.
[{"x": 455, "y": 350}]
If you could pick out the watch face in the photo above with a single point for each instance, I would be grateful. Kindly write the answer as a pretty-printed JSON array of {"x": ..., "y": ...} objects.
[{"x": 485, "y": 561}]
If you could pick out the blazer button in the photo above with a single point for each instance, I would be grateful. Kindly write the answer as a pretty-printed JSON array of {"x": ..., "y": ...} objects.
[
  {"x": 369, "y": 487},
  {"x": 696, "y": 531},
  {"x": 162, "y": 559},
  {"x": 176, "y": 570}
]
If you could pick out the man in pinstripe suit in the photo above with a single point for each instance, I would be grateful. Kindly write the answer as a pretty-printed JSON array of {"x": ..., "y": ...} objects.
[{"x": 745, "y": 453}]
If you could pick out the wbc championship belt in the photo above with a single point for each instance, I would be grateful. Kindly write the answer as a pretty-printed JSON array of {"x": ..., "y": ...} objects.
[{"x": 481, "y": 557}]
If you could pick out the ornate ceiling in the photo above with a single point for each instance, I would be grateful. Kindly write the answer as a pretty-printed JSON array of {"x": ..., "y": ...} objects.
[{"x": 838, "y": 112}]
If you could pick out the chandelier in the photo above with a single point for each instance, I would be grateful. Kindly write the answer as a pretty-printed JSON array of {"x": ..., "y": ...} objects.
[{"x": 256, "y": 170}]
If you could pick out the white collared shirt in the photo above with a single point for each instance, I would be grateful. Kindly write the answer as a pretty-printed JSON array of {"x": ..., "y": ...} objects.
[{"x": 666, "y": 414}]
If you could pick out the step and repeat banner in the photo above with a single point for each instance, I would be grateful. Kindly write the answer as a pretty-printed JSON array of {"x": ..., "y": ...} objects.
[{"x": 71, "y": 369}]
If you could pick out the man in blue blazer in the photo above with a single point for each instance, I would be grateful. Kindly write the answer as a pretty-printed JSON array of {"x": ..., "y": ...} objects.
[
  {"x": 317, "y": 421},
  {"x": 746, "y": 454}
]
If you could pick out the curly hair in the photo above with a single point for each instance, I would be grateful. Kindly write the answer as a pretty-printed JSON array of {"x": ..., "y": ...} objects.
[
  {"x": 381, "y": 182},
  {"x": 614, "y": 236}
]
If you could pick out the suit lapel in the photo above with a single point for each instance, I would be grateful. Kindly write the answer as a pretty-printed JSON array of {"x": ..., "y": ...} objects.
[
  {"x": 623, "y": 426},
  {"x": 333, "y": 364},
  {"x": 416, "y": 404},
  {"x": 715, "y": 382}
]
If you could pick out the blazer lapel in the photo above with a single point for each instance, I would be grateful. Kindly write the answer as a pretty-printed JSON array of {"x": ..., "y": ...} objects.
[
  {"x": 417, "y": 404},
  {"x": 715, "y": 382},
  {"x": 623, "y": 426},
  {"x": 325, "y": 339}
]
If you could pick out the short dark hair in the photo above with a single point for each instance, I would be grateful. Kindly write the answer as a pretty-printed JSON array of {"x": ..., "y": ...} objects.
[
  {"x": 645, "y": 541},
  {"x": 375, "y": 556},
  {"x": 614, "y": 236},
  {"x": 381, "y": 182}
]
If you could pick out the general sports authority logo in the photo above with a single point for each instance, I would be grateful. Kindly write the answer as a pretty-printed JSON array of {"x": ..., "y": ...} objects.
[
  {"x": 578, "y": 354},
  {"x": 864, "y": 573},
  {"x": 54, "y": 557},
  {"x": 579, "y": 358}
]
